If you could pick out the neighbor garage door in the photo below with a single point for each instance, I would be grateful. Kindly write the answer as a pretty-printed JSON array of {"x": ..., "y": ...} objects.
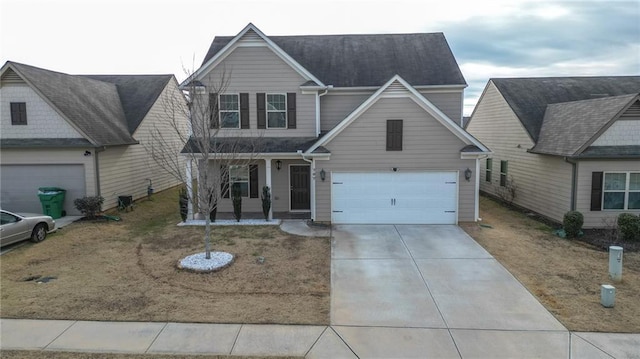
[
  {"x": 395, "y": 197},
  {"x": 19, "y": 185}
]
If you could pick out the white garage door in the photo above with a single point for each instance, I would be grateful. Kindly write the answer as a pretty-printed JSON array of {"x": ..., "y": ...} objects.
[
  {"x": 395, "y": 198},
  {"x": 19, "y": 185}
]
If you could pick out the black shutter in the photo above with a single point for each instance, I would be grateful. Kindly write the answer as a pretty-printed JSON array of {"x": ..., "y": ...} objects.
[
  {"x": 213, "y": 110},
  {"x": 224, "y": 181},
  {"x": 596, "y": 191},
  {"x": 253, "y": 181},
  {"x": 394, "y": 135},
  {"x": 244, "y": 110},
  {"x": 291, "y": 110},
  {"x": 262, "y": 110}
]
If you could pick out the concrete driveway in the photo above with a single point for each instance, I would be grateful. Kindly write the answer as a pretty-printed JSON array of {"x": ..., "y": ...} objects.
[{"x": 432, "y": 291}]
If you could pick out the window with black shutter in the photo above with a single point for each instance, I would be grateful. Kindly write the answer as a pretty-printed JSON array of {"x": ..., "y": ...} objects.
[
  {"x": 261, "y": 110},
  {"x": 488, "y": 170},
  {"x": 394, "y": 135},
  {"x": 18, "y": 113}
]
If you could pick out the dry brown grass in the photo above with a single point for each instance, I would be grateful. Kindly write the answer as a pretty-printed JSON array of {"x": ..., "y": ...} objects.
[
  {"x": 36, "y": 354},
  {"x": 564, "y": 275},
  {"x": 126, "y": 271}
]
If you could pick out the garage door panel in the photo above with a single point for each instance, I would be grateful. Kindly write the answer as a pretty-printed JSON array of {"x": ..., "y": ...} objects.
[
  {"x": 19, "y": 185},
  {"x": 402, "y": 198}
]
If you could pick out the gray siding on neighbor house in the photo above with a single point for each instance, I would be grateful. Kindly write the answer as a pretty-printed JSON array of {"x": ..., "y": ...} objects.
[
  {"x": 543, "y": 183},
  {"x": 125, "y": 170},
  {"x": 427, "y": 146},
  {"x": 259, "y": 70},
  {"x": 604, "y": 218}
]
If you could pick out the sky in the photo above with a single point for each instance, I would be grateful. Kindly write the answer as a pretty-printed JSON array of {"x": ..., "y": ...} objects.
[{"x": 489, "y": 38}]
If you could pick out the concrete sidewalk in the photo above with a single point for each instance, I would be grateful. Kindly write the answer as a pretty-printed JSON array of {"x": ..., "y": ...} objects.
[{"x": 307, "y": 341}]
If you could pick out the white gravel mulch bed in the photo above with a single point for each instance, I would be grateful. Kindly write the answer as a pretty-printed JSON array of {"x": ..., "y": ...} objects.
[
  {"x": 232, "y": 222},
  {"x": 199, "y": 263}
]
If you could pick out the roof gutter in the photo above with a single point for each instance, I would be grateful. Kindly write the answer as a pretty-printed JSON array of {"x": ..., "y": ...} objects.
[
  {"x": 312, "y": 183},
  {"x": 318, "y": 95}
]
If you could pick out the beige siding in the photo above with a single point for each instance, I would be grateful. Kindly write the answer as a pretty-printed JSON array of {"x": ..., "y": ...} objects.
[
  {"x": 583, "y": 195},
  {"x": 543, "y": 182},
  {"x": 427, "y": 146},
  {"x": 336, "y": 106},
  {"x": 51, "y": 156},
  {"x": 42, "y": 120},
  {"x": 448, "y": 102},
  {"x": 258, "y": 69},
  {"x": 621, "y": 133},
  {"x": 125, "y": 170}
]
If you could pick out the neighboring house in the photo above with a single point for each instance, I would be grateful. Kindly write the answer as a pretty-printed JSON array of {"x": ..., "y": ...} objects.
[
  {"x": 353, "y": 128},
  {"x": 567, "y": 143},
  {"x": 84, "y": 134}
]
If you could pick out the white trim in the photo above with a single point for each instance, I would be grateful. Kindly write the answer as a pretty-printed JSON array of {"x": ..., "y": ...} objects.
[
  {"x": 627, "y": 190},
  {"x": 289, "y": 187},
  {"x": 411, "y": 93},
  {"x": 227, "y": 111},
  {"x": 235, "y": 42}
]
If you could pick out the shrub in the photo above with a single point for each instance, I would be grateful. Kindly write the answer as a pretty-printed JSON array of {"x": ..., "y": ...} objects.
[
  {"x": 629, "y": 226},
  {"x": 266, "y": 202},
  {"x": 183, "y": 201},
  {"x": 236, "y": 198},
  {"x": 90, "y": 206},
  {"x": 572, "y": 223}
]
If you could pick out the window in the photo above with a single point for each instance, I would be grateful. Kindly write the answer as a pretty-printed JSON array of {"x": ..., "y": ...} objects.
[
  {"x": 394, "y": 135},
  {"x": 488, "y": 168},
  {"x": 504, "y": 169},
  {"x": 276, "y": 111},
  {"x": 621, "y": 190},
  {"x": 240, "y": 175},
  {"x": 18, "y": 113},
  {"x": 229, "y": 111}
]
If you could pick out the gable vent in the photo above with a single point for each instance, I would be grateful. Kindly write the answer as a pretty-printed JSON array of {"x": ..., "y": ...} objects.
[
  {"x": 251, "y": 38},
  {"x": 11, "y": 77},
  {"x": 632, "y": 113},
  {"x": 396, "y": 88}
]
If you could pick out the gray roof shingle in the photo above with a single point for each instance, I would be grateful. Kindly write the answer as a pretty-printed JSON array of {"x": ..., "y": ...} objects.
[
  {"x": 368, "y": 60},
  {"x": 107, "y": 109},
  {"x": 568, "y": 126},
  {"x": 529, "y": 97},
  {"x": 611, "y": 152},
  {"x": 255, "y": 145}
]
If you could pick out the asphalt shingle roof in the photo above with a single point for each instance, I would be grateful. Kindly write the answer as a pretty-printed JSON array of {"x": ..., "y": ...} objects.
[
  {"x": 255, "y": 145},
  {"x": 368, "y": 60},
  {"x": 106, "y": 109},
  {"x": 568, "y": 126},
  {"x": 529, "y": 97}
]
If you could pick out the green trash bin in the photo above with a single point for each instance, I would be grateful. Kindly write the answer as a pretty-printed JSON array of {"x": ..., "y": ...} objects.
[{"x": 52, "y": 200}]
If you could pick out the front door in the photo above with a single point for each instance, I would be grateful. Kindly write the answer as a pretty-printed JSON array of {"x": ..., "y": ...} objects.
[{"x": 299, "y": 180}]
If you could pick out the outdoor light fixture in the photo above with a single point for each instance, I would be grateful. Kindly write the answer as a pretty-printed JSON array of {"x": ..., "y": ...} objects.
[
  {"x": 323, "y": 175},
  {"x": 278, "y": 165},
  {"x": 467, "y": 174},
  {"x": 87, "y": 153}
]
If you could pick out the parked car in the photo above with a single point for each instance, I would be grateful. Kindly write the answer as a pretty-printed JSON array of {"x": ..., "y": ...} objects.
[{"x": 15, "y": 227}]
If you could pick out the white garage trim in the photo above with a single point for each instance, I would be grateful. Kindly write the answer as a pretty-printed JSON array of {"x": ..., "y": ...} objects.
[{"x": 427, "y": 197}]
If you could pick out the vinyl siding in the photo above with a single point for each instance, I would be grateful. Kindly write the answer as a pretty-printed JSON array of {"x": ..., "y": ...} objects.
[
  {"x": 623, "y": 132},
  {"x": 259, "y": 70},
  {"x": 449, "y": 102},
  {"x": 427, "y": 146},
  {"x": 336, "y": 106},
  {"x": 543, "y": 182},
  {"x": 42, "y": 120},
  {"x": 125, "y": 170},
  {"x": 594, "y": 219},
  {"x": 52, "y": 156}
]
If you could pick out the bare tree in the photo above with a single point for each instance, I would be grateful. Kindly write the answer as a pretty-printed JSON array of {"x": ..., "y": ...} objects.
[{"x": 198, "y": 146}]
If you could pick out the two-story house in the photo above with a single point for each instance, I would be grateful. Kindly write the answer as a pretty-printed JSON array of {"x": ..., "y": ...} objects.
[
  {"x": 353, "y": 128},
  {"x": 84, "y": 134},
  {"x": 563, "y": 143}
]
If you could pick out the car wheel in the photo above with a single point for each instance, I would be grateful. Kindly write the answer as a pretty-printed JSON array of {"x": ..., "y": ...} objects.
[{"x": 39, "y": 233}]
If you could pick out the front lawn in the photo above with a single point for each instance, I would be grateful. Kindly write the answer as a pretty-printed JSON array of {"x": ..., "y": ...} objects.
[
  {"x": 565, "y": 275},
  {"x": 126, "y": 271}
]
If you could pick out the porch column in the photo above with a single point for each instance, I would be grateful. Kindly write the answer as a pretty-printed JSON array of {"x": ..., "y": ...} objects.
[
  {"x": 313, "y": 190},
  {"x": 267, "y": 164},
  {"x": 189, "y": 184}
]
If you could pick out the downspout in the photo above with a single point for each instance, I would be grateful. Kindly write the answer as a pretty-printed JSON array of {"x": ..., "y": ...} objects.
[
  {"x": 312, "y": 186},
  {"x": 574, "y": 180},
  {"x": 96, "y": 163},
  {"x": 318, "y": 95}
]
